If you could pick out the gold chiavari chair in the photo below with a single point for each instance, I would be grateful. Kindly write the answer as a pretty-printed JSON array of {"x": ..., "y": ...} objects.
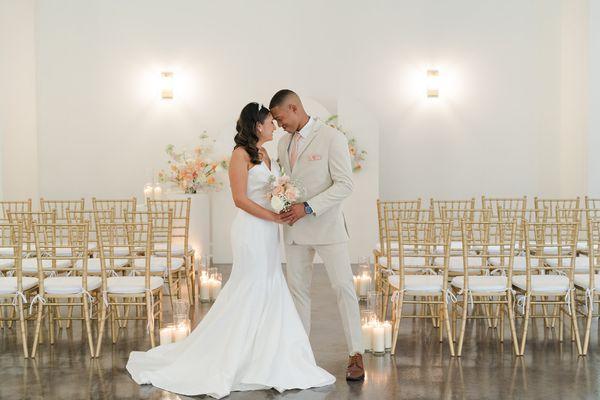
[
  {"x": 586, "y": 283},
  {"x": 531, "y": 216},
  {"x": 135, "y": 285},
  {"x": 162, "y": 261},
  {"x": 552, "y": 205},
  {"x": 546, "y": 285},
  {"x": 14, "y": 287},
  {"x": 119, "y": 207},
  {"x": 455, "y": 216},
  {"x": 27, "y": 220},
  {"x": 492, "y": 289},
  {"x": 14, "y": 206},
  {"x": 591, "y": 203},
  {"x": 79, "y": 289},
  {"x": 180, "y": 242},
  {"x": 407, "y": 209},
  {"x": 417, "y": 242},
  {"x": 60, "y": 207},
  {"x": 509, "y": 203},
  {"x": 438, "y": 205}
]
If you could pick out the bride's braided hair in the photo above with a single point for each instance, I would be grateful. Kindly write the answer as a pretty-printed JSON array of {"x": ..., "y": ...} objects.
[{"x": 246, "y": 136}]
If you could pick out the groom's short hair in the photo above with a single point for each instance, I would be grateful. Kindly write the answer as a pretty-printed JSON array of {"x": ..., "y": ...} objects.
[{"x": 280, "y": 97}]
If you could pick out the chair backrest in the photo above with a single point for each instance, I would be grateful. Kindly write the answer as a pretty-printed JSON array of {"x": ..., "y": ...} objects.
[
  {"x": 13, "y": 206},
  {"x": 510, "y": 203},
  {"x": 592, "y": 203},
  {"x": 82, "y": 216},
  {"x": 554, "y": 204},
  {"x": 11, "y": 243},
  {"x": 113, "y": 236},
  {"x": 119, "y": 207},
  {"x": 61, "y": 207},
  {"x": 456, "y": 215},
  {"x": 181, "y": 218},
  {"x": 593, "y": 240},
  {"x": 61, "y": 248},
  {"x": 438, "y": 205},
  {"x": 387, "y": 214},
  {"x": 551, "y": 240},
  {"x": 162, "y": 230},
  {"x": 419, "y": 243},
  {"x": 485, "y": 240},
  {"x": 27, "y": 219}
]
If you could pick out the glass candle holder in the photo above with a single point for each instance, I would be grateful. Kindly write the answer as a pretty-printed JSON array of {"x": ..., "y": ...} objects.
[
  {"x": 166, "y": 334},
  {"x": 366, "y": 317}
]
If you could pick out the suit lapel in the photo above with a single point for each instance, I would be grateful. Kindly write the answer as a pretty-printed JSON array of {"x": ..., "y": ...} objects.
[
  {"x": 286, "y": 156},
  {"x": 313, "y": 133}
]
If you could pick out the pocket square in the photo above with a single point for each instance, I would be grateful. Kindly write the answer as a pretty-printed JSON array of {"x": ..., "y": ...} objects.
[{"x": 314, "y": 157}]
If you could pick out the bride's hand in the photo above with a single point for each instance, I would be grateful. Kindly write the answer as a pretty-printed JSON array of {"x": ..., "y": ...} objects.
[{"x": 282, "y": 218}]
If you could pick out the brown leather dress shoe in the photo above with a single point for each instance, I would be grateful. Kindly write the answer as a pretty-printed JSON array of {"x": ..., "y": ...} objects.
[{"x": 356, "y": 369}]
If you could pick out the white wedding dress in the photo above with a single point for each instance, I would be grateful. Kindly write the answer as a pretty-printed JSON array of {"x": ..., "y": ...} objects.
[{"x": 252, "y": 337}]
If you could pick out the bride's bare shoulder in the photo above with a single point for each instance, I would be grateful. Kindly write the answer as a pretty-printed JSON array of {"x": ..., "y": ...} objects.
[{"x": 240, "y": 154}]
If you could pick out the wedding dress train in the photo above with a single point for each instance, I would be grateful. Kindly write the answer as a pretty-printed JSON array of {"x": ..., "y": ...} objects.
[{"x": 252, "y": 337}]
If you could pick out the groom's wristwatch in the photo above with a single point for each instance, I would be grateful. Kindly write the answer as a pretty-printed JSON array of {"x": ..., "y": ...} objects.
[{"x": 307, "y": 208}]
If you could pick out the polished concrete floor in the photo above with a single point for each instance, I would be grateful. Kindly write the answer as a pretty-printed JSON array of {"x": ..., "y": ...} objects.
[{"x": 421, "y": 369}]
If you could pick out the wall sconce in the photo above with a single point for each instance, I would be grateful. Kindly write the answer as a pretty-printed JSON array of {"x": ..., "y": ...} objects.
[
  {"x": 166, "y": 79},
  {"x": 433, "y": 83}
]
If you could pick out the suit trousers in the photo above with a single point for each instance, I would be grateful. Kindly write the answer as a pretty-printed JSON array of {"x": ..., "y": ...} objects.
[{"x": 337, "y": 264}]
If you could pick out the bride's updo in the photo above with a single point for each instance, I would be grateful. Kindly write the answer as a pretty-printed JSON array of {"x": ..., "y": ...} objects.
[{"x": 246, "y": 136}]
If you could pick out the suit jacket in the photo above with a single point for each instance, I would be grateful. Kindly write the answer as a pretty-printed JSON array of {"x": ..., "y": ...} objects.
[{"x": 324, "y": 170}]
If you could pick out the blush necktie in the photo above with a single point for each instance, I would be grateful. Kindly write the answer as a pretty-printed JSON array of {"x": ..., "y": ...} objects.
[{"x": 294, "y": 152}]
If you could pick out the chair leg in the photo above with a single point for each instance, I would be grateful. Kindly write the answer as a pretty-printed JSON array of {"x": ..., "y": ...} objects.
[
  {"x": 397, "y": 314},
  {"x": 499, "y": 321},
  {"x": 101, "y": 323},
  {"x": 463, "y": 324},
  {"x": 446, "y": 319},
  {"x": 113, "y": 324},
  {"x": 52, "y": 311},
  {"x": 386, "y": 299},
  {"x": 511, "y": 321},
  {"x": 588, "y": 328},
  {"x": 88, "y": 324},
  {"x": 38, "y": 323},
  {"x": 150, "y": 317},
  {"x": 525, "y": 324},
  {"x": 575, "y": 327},
  {"x": 23, "y": 327}
]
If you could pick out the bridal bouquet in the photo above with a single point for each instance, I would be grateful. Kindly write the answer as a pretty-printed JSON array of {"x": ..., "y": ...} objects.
[
  {"x": 196, "y": 171},
  {"x": 283, "y": 192}
]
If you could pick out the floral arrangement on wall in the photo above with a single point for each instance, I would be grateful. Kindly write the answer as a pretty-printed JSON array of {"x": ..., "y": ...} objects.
[
  {"x": 196, "y": 171},
  {"x": 357, "y": 155}
]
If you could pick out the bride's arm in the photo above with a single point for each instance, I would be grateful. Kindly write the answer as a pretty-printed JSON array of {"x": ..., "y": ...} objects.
[{"x": 238, "y": 179}]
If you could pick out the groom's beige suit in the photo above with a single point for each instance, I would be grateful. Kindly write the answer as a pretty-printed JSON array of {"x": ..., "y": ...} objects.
[{"x": 323, "y": 168}]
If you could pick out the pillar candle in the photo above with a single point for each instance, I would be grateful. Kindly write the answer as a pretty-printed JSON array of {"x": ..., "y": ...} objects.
[
  {"x": 166, "y": 335},
  {"x": 387, "y": 327},
  {"x": 157, "y": 193},
  {"x": 148, "y": 192},
  {"x": 204, "y": 289},
  {"x": 215, "y": 289},
  {"x": 378, "y": 338},
  {"x": 365, "y": 284},
  {"x": 366, "y": 335},
  {"x": 356, "y": 283}
]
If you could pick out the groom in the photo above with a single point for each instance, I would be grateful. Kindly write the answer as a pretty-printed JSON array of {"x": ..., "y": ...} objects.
[{"x": 317, "y": 155}]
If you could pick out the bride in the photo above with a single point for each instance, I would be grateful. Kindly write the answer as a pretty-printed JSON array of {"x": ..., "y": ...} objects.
[{"x": 252, "y": 337}]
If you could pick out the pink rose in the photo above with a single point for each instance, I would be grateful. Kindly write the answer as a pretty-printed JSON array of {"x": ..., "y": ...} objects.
[
  {"x": 291, "y": 194},
  {"x": 278, "y": 190}
]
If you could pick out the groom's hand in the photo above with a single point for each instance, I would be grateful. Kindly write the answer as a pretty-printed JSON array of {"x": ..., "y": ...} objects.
[{"x": 296, "y": 212}]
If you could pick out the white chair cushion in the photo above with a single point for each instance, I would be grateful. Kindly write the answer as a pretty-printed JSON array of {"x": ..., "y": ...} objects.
[
  {"x": 70, "y": 284},
  {"x": 6, "y": 263},
  {"x": 544, "y": 284},
  {"x": 118, "y": 251},
  {"x": 519, "y": 263},
  {"x": 132, "y": 284},
  {"x": 9, "y": 285},
  {"x": 419, "y": 283},
  {"x": 582, "y": 246},
  {"x": 409, "y": 262},
  {"x": 583, "y": 281},
  {"x": 456, "y": 264},
  {"x": 93, "y": 264},
  {"x": 30, "y": 264},
  {"x": 582, "y": 263},
  {"x": 482, "y": 284},
  {"x": 159, "y": 264},
  {"x": 177, "y": 249},
  {"x": 553, "y": 250},
  {"x": 454, "y": 247}
]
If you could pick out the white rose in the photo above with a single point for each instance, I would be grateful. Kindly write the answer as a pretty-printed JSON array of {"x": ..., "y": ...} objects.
[{"x": 277, "y": 203}]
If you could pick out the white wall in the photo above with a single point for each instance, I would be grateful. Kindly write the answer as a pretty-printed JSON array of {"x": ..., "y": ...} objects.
[
  {"x": 594, "y": 100},
  {"x": 496, "y": 129},
  {"x": 18, "y": 135}
]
